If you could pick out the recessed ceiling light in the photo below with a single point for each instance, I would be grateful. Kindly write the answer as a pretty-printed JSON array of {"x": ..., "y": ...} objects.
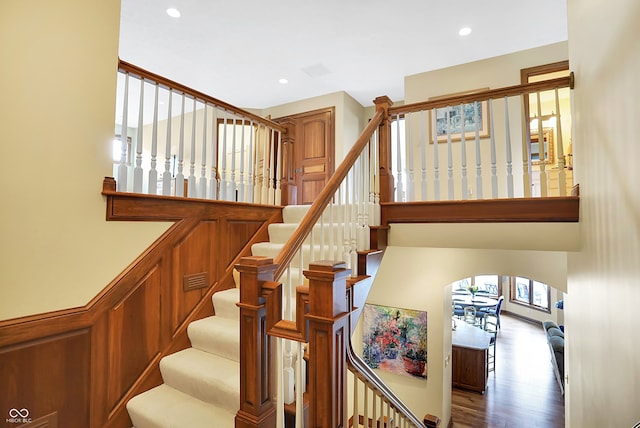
[
  {"x": 283, "y": 81},
  {"x": 464, "y": 31},
  {"x": 173, "y": 12}
]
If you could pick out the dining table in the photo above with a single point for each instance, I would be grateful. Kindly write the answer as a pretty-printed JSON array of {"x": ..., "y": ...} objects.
[{"x": 477, "y": 301}]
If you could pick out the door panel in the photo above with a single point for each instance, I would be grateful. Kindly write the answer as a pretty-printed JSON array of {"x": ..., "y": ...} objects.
[{"x": 314, "y": 148}]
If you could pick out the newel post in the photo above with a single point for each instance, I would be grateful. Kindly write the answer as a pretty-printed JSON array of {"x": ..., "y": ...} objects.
[
  {"x": 328, "y": 333},
  {"x": 386, "y": 175},
  {"x": 257, "y": 409}
]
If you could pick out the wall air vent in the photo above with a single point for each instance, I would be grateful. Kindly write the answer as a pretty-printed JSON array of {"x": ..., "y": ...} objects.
[{"x": 195, "y": 281}]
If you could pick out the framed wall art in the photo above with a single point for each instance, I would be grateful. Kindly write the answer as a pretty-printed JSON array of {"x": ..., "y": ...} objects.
[{"x": 395, "y": 340}]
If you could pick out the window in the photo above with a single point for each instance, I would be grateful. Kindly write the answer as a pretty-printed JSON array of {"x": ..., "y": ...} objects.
[
  {"x": 531, "y": 293},
  {"x": 487, "y": 284}
]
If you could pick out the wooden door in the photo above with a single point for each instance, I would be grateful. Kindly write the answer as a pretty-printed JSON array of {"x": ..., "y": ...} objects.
[{"x": 314, "y": 149}]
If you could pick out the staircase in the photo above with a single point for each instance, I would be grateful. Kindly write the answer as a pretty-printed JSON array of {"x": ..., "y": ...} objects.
[{"x": 202, "y": 383}]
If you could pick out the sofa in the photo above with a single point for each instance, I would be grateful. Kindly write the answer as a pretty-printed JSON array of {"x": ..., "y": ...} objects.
[{"x": 555, "y": 340}]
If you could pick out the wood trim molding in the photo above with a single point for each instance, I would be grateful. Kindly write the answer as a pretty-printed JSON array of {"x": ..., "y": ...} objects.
[{"x": 556, "y": 209}]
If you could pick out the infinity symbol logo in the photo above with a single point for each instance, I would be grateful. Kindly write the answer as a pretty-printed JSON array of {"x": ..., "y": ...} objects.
[{"x": 14, "y": 413}]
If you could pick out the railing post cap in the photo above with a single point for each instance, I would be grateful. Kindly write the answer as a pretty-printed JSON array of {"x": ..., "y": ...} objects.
[
  {"x": 327, "y": 265},
  {"x": 383, "y": 100},
  {"x": 255, "y": 262}
]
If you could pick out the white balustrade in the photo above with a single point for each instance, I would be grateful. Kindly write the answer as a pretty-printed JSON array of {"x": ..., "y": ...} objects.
[
  {"x": 490, "y": 141},
  {"x": 202, "y": 133}
]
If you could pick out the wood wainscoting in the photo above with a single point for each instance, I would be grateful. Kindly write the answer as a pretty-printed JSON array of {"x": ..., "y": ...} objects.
[{"x": 84, "y": 364}]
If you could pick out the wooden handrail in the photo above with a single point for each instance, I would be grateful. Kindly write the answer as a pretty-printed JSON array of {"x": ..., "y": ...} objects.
[
  {"x": 311, "y": 217},
  {"x": 508, "y": 91},
  {"x": 170, "y": 84}
]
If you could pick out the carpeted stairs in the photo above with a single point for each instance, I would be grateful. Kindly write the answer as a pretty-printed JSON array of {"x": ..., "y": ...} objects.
[{"x": 202, "y": 384}]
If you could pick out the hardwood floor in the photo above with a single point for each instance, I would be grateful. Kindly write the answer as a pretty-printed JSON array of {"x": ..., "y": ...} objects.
[{"x": 521, "y": 392}]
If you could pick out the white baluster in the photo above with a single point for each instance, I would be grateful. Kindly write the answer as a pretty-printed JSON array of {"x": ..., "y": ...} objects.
[
  {"x": 398, "y": 144},
  {"x": 542, "y": 151},
  {"x": 265, "y": 168},
  {"x": 241, "y": 183},
  {"x": 359, "y": 201},
  {"x": 278, "y": 200},
  {"x": 279, "y": 382},
  {"x": 356, "y": 404},
  {"x": 232, "y": 194},
  {"x": 409, "y": 194},
  {"x": 562, "y": 180},
  {"x": 250, "y": 161},
  {"x": 449, "y": 155},
  {"x": 179, "y": 186},
  {"x": 476, "y": 118},
  {"x": 526, "y": 151},
  {"x": 436, "y": 172},
  {"x": 137, "y": 172},
  {"x": 423, "y": 158},
  {"x": 153, "y": 172},
  {"x": 124, "y": 136},
  {"x": 272, "y": 186},
  {"x": 353, "y": 224},
  {"x": 214, "y": 183},
  {"x": 463, "y": 154},
  {"x": 494, "y": 176},
  {"x": 166, "y": 175},
  {"x": 299, "y": 385},
  {"x": 202, "y": 185},
  {"x": 224, "y": 183},
  {"x": 365, "y": 195},
  {"x": 257, "y": 183},
  {"x": 347, "y": 241},
  {"x": 192, "y": 190},
  {"x": 508, "y": 149}
]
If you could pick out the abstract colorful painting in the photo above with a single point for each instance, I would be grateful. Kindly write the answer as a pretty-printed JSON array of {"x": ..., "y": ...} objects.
[{"x": 395, "y": 340}]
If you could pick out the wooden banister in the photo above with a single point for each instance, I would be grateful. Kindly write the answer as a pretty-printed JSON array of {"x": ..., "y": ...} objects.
[
  {"x": 508, "y": 91},
  {"x": 170, "y": 84}
]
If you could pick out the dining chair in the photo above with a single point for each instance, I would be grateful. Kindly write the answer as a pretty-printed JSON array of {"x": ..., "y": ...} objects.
[
  {"x": 470, "y": 315},
  {"x": 490, "y": 325}
]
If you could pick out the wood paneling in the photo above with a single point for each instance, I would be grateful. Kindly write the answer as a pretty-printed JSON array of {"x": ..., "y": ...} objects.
[
  {"x": 139, "y": 315},
  {"x": 556, "y": 209},
  {"x": 86, "y": 363},
  {"x": 48, "y": 375}
]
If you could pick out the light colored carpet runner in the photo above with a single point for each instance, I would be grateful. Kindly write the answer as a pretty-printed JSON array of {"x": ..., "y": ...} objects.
[{"x": 202, "y": 384}]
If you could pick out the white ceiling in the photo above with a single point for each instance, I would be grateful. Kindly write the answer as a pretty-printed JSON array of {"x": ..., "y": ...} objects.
[{"x": 237, "y": 51}]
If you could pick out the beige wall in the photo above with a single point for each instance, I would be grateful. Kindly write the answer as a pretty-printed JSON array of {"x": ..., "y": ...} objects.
[
  {"x": 57, "y": 112},
  {"x": 604, "y": 290},
  {"x": 350, "y": 117}
]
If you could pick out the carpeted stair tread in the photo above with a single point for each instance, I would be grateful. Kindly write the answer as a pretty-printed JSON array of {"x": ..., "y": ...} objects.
[
  {"x": 205, "y": 376},
  {"x": 216, "y": 335},
  {"x": 224, "y": 303},
  {"x": 166, "y": 407}
]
